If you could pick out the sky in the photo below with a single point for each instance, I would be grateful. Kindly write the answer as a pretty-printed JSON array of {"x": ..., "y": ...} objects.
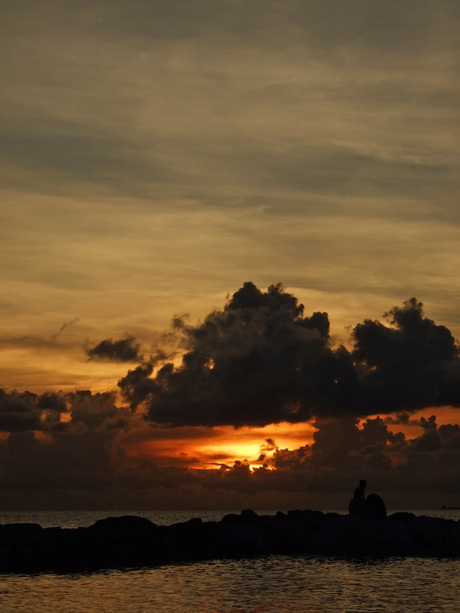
[{"x": 229, "y": 246}]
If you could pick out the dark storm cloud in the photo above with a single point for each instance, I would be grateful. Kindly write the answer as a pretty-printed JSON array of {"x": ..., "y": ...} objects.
[
  {"x": 23, "y": 411},
  {"x": 257, "y": 361},
  {"x": 260, "y": 361},
  {"x": 123, "y": 350},
  {"x": 81, "y": 412},
  {"x": 50, "y": 401},
  {"x": 46, "y": 461},
  {"x": 18, "y": 412},
  {"x": 410, "y": 364},
  {"x": 72, "y": 462},
  {"x": 343, "y": 452},
  {"x": 398, "y": 418},
  {"x": 95, "y": 412}
]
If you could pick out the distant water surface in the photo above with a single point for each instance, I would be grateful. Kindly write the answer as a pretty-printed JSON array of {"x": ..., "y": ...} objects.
[{"x": 76, "y": 519}]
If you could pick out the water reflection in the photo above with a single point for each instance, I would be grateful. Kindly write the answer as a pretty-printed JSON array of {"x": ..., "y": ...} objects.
[{"x": 276, "y": 584}]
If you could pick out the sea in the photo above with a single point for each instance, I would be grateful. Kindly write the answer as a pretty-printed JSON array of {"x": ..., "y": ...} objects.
[{"x": 268, "y": 584}]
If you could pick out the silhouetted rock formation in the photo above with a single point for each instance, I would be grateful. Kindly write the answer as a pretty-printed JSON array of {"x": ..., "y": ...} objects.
[
  {"x": 372, "y": 507},
  {"x": 126, "y": 542}
]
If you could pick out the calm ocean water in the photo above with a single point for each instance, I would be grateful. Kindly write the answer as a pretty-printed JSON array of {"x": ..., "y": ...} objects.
[{"x": 273, "y": 584}]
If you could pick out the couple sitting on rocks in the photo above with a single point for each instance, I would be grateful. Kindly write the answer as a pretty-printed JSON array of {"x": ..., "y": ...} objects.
[{"x": 371, "y": 507}]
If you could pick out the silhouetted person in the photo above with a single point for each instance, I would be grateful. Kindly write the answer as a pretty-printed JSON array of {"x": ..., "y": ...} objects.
[
  {"x": 359, "y": 491},
  {"x": 371, "y": 507}
]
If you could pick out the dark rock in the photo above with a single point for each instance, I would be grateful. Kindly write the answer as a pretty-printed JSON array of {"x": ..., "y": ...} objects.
[
  {"x": 124, "y": 542},
  {"x": 124, "y": 523},
  {"x": 231, "y": 518},
  {"x": 298, "y": 515},
  {"x": 376, "y": 506},
  {"x": 371, "y": 508},
  {"x": 19, "y": 529},
  {"x": 402, "y": 516},
  {"x": 249, "y": 516}
]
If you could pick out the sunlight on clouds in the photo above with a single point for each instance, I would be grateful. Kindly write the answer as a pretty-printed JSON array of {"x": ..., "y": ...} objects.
[
  {"x": 207, "y": 448},
  {"x": 412, "y": 428}
]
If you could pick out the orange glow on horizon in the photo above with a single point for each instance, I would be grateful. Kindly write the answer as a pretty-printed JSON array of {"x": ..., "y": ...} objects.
[
  {"x": 411, "y": 430},
  {"x": 221, "y": 446},
  {"x": 208, "y": 448}
]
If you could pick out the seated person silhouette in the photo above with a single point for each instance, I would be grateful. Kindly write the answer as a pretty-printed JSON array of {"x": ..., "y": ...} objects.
[
  {"x": 359, "y": 491},
  {"x": 371, "y": 507}
]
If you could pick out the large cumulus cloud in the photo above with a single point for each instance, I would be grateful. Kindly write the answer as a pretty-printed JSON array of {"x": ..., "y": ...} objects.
[
  {"x": 259, "y": 360},
  {"x": 256, "y": 361},
  {"x": 409, "y": 364}
]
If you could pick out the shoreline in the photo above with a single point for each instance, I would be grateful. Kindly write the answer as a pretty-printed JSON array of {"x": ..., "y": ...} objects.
[{"x": 130, "y": 541}]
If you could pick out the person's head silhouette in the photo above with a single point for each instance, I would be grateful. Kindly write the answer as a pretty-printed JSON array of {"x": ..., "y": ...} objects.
[{"x": 359, "y": 491}]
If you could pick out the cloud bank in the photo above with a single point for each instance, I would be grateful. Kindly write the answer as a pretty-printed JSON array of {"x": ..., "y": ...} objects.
[
  {"x": 259, "y": 361},
  {"x": 84, "y": 466}
]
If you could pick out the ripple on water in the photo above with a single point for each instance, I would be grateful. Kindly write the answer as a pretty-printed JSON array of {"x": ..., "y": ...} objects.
[{"x": 275, "y": 584}]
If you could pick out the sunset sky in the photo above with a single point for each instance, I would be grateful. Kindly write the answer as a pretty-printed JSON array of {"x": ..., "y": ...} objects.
[{"x": 179, "y": 177}]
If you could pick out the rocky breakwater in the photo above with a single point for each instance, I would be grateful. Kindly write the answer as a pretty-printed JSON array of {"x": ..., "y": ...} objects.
[{"x": 127, "y": 542}]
